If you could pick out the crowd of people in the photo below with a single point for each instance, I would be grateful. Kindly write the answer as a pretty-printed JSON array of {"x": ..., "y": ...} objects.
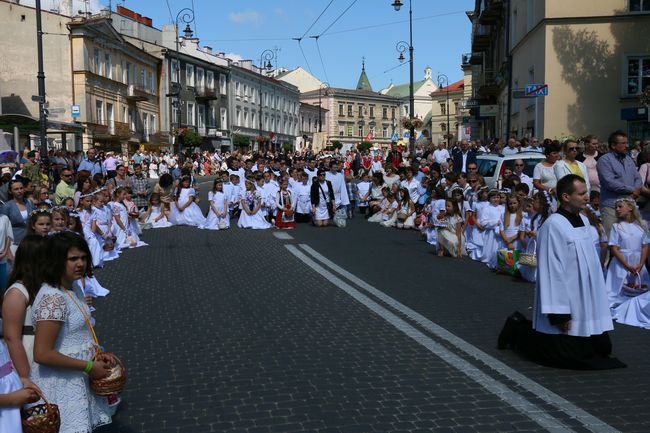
[{"x": 59, "y": 223}]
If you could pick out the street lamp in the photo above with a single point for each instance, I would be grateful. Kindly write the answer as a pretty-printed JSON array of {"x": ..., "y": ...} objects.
[
  {"x": 186, "y": 16},
  {"x": 265, "y": 64},
  {"x": 442, "y": 77},
  {"x": 42, "y": 110},
  {"x": 320, "y": 122},
  {"x": 401, "y": 47}
]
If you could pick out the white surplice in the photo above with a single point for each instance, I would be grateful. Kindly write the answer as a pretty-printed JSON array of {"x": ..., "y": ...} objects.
[
  {"x": 569, "y": 279},
  {"x": 340, "y": 190}
]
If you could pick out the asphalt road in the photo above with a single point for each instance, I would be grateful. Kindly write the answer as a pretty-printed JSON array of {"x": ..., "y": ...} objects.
[{"x": 362, "y": 329}]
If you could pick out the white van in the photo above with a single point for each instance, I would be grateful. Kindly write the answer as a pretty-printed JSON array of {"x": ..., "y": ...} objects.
[{"x": 491, "y": 166}]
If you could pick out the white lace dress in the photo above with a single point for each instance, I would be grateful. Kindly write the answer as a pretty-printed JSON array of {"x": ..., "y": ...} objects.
[{"x": 81, "y": 410}]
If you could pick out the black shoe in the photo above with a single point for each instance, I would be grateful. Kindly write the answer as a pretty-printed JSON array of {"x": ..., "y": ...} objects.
[{"x": 509, "y": 328}]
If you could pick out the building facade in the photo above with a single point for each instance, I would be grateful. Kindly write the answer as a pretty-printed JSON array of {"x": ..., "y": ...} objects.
[
  {"x": 447, "y": 113},
  {"x": 263, "y": 109},
  {"x": 115, "y": 84},
  {"x": 299, "y": 77},
  {"x": 310, "y": 118}
]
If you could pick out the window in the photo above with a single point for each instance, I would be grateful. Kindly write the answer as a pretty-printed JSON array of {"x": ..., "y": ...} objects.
[
  {"x": 108, "y": 66},
  {"x": 189, "y": 75},
  {"x": 238, "y": 116},
  {"x": 176, "y": 113},
  {"x": 530, "y": 14},
  {"x": 372, "y": 130},
  {"x": 152, "y": 84},
  {"x": 201, "y": 119},
  {"x": 145, "y": 126},
  {"x": 125, "y": 117},
  {"x": 246, "y": 118},
  {"x": 443, "y": 127},
  {"x": 514, "y": 27},
  {"x": 224, "y": 118},
  {"x": 99, "y": 112},
  {"x": 360, "y": 130},
  {"x": 252, "y": 119},
  {"x": 341, "y": 131},
  {"x": 443, "y": 109},
  {"x": 349, "y": 130},
  {"x": 384, "y": 113},
  {"x": 245, "y": 91},
  {"x": 110, "y": 117},
  {"x": 384, "y": 132},
  {"x": 190, "y": 113},
  {"x": 360, "y": 109},
  {"x": 309, "y": 124},
  {"x": 456, "y": 107},
  {"x": 392, "y": 113},
  {"x": 176, "y": 71},
  {"x": 349, "y": 110},
  {"x": 152, "y": 124},
  {"x": 639, "y": 5},
  {"x": 638, "y": 74},
  {"x": 131, "y": 120},
  {"x": 222, "y": 84},
  {"x": 200, "y": 78},
  {"x": 372, "y": 112},
  {"x": 237, "y": 94},
  {"x": 341, "y": 110},
  {"x": 266, "y": 122},
  {"x": 97, "y": 62},
  {"x": 143, "y": 78},
  {"x": 209, "y": 80}
]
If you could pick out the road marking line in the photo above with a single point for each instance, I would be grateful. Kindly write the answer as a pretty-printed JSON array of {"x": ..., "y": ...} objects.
[
  {"x": 282, "y": 235},
  {"x": 588, "y": 420},
  {"x": 534, "y": 412}
]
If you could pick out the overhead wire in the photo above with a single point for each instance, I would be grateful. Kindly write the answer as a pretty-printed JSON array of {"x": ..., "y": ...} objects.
[
  {"x": 321, "y": 60},
  {"x": 303, "y": 54},
  {"x": 393, "y": 22},
  {"x": 337, "y": 18},
  {"x": 316, "y": 20},
  {"x": 171, "y": 15}
]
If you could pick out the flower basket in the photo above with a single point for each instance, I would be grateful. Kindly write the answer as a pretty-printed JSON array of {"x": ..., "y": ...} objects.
[
  {"x": 41, "y": 418},
  {"x": 114, "y": 382},
  {"x": 414, "y": 123}
]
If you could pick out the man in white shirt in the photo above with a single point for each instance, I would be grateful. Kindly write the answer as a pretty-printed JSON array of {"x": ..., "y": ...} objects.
[
  {"x": 237, "y": 169},
  {"x": 412, "y": 185},
  {"x": 441, "y": 154},
  {"x": 511, "y": 148},
  {"x": 519, "y": 171},
  {"x": 338, "y": 184}
]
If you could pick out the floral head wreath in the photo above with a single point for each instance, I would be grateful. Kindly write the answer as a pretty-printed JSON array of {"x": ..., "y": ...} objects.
[
  {"x": 628, "y": 200},
  {"x": 506, "y": 190},
  {"x": 547, "y": 196},
  {"x": 40, "y": 212},
  {"x": 493, "y": 192}
]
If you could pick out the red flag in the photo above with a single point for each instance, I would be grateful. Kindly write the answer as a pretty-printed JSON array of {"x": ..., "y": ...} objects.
[{"x": 370, "y": 136}]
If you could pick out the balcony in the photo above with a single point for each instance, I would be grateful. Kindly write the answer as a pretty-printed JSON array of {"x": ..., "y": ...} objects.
[
  {"x": 202, "y": 131},
  {"x": 480, "y": 37},
  {"x": 205, "y": 94},
  {"x": 489, "y": 83},
  {"x": 491, "y": 11},
  {"x": 475, "y": 58},
  {"x": 136, "y": 93}
]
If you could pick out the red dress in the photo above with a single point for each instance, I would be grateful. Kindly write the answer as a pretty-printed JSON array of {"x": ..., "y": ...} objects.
[{"x": 285, "y": 217}]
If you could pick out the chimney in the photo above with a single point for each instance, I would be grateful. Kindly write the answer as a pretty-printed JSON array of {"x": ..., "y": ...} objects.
[
  {"x": 221, "y": 55},
  {"x": 207, "y": 49}
]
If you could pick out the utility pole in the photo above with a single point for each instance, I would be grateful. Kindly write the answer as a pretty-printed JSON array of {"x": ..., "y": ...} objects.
[{"x": 42, "y": 107}]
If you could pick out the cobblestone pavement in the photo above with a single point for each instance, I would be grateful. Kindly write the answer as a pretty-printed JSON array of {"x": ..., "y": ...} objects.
[{"x": 233, "y": 331}]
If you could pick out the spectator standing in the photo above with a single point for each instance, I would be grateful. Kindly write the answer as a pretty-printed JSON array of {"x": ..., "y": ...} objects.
[
  {"x": 590, "y": 158},
  {"x": 441, "y": 154},
  {"x": 534, "y": 146},
  {"x": 569, "y": 165},
  {"x": 18, "y": 210},
  {"x": 543, "y": 175},
  {"x": 32, "y": 169},
  {"x": 65, "y": 188},
  {"x": 463, "y": 156},
  {"x": 110, "y": 165},
  {"x": 91, "y": 163},
  {"x": 394, "y": 156},
  {"x": 519, "y": 171},
  {"x": 618, "y": 177},
  {"x": 511, "y": 148},
  {"x": 141, "y": 187}
]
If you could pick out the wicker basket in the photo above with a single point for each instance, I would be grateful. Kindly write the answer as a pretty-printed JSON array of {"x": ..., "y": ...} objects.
[
  {"x": 113, "y": 383},
  {"x": 528, "y": 259},
  {"x": 41, "y": 418}
]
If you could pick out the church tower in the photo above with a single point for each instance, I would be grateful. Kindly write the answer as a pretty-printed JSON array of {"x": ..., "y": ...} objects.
[{"x": 364, "y": 83}]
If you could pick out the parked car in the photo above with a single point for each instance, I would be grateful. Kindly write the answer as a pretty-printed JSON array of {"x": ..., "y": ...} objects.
[{"x": 491, "y": 166}]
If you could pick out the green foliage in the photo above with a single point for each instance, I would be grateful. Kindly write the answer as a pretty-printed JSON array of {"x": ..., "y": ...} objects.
[
  {"x": 239, "y": 140},
  {"x": 336, "y": 144},
  {"x": 364, "y": 145},
  {"x": 191, "y": 138},
  {"x": 288, "y": 147}
]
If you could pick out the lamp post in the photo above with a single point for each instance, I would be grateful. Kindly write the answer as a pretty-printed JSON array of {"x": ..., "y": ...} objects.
[
  {"x": 186, "y": 16},
  {"x": 320, "y": 122},
  {"x": 266, "y": 56},
  {"x": 401, "y": 47},
  {"x": 42, "y": 107},
  {"x": 442, "y": 77}
]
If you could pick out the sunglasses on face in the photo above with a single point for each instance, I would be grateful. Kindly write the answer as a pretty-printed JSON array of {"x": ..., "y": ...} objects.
[{"x": 519, "y": 165}]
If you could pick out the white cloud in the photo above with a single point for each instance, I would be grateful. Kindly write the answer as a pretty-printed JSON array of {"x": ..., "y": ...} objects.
[
  {"x": 234, "y": 57},
  {"x": 247, "y": 16}
]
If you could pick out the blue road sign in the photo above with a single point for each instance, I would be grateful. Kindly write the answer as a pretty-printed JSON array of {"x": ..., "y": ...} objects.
[
  {"x": 536, "y": 90},
  {"x": 76, "y": 111}
]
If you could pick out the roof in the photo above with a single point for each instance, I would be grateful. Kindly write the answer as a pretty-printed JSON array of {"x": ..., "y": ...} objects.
[
  {"x": 403, "y": 90},
  {"x": 364, "y": 82},
  {"x": 352, "y": 93},
  {"x": 453, "y": 87},
  {"x": 427, "y": 119}
]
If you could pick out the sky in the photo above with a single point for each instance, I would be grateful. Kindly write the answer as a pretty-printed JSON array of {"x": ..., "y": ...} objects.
[{"x": 369, "y": 28}]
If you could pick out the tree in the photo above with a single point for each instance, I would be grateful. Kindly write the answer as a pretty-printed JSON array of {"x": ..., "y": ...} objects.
[
  {"x": 363, "y": 146},
  {"x": 288, "y": 147},
  {"x": 191, "y": 138},
  {"x": 240, "y": 140},
  {"x": 336, "y": 144}
]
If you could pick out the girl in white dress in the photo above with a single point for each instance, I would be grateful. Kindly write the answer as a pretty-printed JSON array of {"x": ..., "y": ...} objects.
[
  {"x": 489, "y": 224},
  {"x": 528, "y": 235},
  {"x": 218, "y": 215},
  {"x": 474, "y": 240},
  {"x": 363, "y": 193},
  {"x": 438, "y": 206},
  {"x": 382, "y": 207},
  {"x": 389, "y": 213},
  {"x": 184, "y": 211},
  {"x": 133, "y": 215},
  {"x": 120, "y": 220},
  {"x": 156, "y": 214},
  {"x": 251, "y": 217},
  {"x": 511, "y": 224},
  {"x": 628, "y": 246},
  {"x": 64, "y": 348},
  {"x": 450, "y": 235},
  {"x": 406, "y": 211},
  {"x": 85, "y": 216},
  {"x": 153, "y": 170},
  {"x": 13, "y": 395},
  {"x": 102, "y": 227},
  {"x": 599, "y": 236}
]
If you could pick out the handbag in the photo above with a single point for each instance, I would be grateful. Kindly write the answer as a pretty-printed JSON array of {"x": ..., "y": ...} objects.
[
  {"x": 330, "y": 206},
  {"x": 528, "y": 259},
  {"x": 508, "y": 262},
  {"x": 115, "y": 381}
]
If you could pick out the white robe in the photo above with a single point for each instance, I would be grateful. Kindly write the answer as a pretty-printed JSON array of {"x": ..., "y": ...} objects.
[
  {"x": 569, "y": 279},
  {"x": 340, "y": 190}
]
